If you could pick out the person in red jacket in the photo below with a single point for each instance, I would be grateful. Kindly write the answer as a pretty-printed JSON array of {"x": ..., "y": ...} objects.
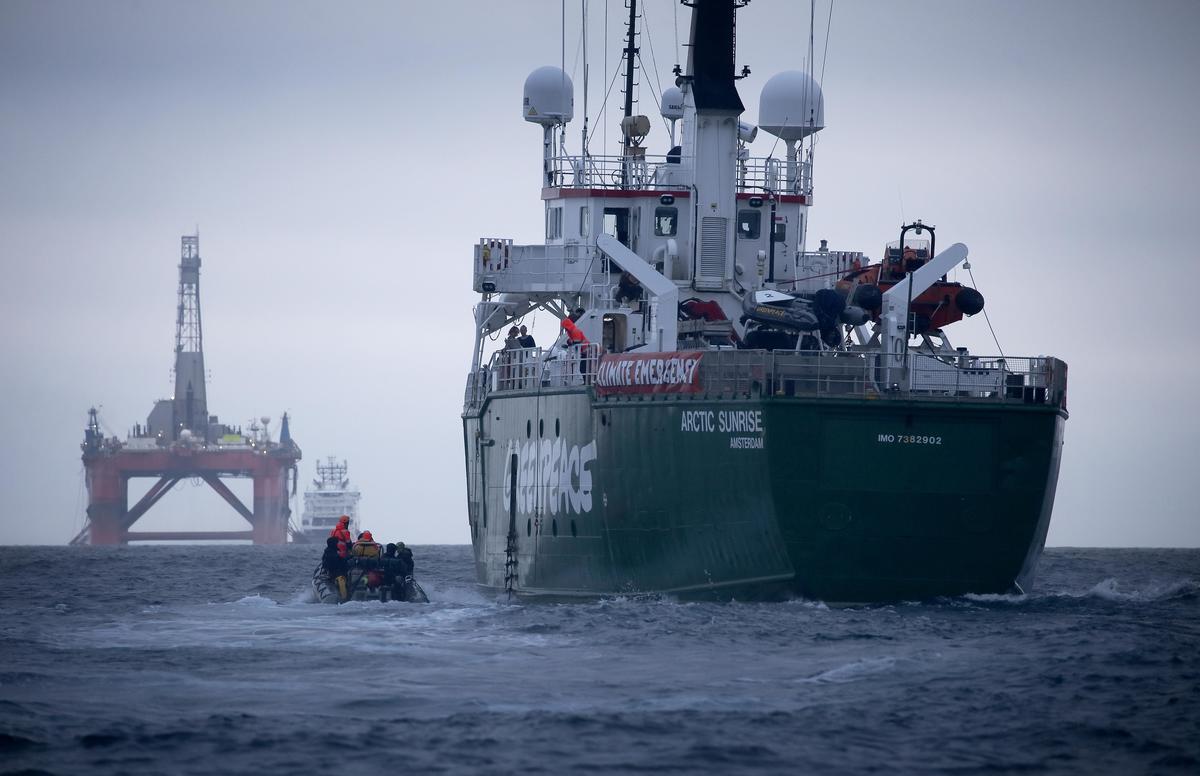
[
  {"x": 341, "y": 531},
  {"x": 576, "y": 337}
]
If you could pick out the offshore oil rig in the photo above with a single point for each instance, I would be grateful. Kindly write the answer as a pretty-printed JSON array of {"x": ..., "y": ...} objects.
[{"x": 182, "y": 441}]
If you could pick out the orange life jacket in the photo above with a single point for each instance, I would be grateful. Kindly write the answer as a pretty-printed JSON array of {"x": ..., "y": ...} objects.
[
  {"x": 574, "y": 335},
  {"x": 366, "y": 550}
]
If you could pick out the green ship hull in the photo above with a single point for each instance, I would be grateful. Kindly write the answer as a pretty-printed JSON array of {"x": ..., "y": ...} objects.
[{"x": 759, "y": 495}]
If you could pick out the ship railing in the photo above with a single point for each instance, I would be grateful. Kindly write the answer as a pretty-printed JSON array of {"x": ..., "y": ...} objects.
[
  {"x": 501, "y": 266},
  {"x": 527, "y": 369},
  {"x": 477, "y": 388},
  {"x": 1028, "y": 379},
  {"x": 652, "y": 172},
  {"x": 740, "y": 373},
  {"x": 733, "y": 374}
]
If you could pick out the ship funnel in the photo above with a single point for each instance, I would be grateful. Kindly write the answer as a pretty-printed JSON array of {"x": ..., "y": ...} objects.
[
  {"x": 791, "y": 106},
  {"x": 549, "y": 97}
]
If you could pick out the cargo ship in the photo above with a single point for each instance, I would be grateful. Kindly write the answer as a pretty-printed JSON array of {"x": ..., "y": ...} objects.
[{"x": 727, "y": 413}]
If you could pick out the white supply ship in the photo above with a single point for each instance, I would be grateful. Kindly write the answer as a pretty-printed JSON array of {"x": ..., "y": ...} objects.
[{"x": 330, "y": 497}]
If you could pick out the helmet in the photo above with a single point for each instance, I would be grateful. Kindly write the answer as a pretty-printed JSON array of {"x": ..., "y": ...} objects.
[{"x": 366, "y": 536}]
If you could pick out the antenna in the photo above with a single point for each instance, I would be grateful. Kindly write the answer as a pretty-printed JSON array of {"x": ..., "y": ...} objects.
[{"x": 584, "y": 139}]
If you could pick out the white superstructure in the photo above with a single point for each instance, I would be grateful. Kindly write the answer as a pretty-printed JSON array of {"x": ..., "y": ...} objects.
[
  {"x": 705, "y": 247},
  {"x": 330, "y": 497}
]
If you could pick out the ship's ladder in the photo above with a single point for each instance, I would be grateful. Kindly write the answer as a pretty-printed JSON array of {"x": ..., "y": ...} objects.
[{"x": 510, "y": 547}]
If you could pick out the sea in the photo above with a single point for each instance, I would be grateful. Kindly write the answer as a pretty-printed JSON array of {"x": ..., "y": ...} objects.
[{"x": 212, "y": 659}]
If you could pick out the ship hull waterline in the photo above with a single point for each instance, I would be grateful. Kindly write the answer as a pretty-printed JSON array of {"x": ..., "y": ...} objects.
[{"x": 848, "y": 500}]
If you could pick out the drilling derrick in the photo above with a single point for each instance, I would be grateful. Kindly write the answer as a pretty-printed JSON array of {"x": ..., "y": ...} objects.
[
  {"x": 190, "y": 408},
  {"x": 182, "y": 441}
]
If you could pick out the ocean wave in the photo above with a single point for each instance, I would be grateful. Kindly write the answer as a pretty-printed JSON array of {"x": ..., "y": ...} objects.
[
  {"x": 997, "y": 598},
  {"x": 1110, "y": 590},
  {"x": 851, "y": 671},
  {"x": 459, "y": 594},
  {"x": 255, "y": 600}
]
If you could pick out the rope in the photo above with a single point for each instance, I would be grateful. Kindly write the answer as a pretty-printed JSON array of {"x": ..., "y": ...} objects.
[
  {"x": 578, "y": 45},
  {"x": 985, "y": 315},
  {"x": 657, "y": 95},
  {"x": 825, "y": 56},
  {"x": 601, "y": 122},
  {"x": 653, "y": 58}
]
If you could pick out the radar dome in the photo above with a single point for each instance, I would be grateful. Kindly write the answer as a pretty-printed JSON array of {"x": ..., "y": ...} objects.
[
  {"x": 549, "y": 97},
  {"x": 791, "y": 106},
  {"x": 672, "y": 103}
]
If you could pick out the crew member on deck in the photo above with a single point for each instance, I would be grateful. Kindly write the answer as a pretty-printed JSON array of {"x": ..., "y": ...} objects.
[
  {"x": 628, "y": 289},
  {"x": 576, "y": 337},
  {"x": 526, "y": 339}
]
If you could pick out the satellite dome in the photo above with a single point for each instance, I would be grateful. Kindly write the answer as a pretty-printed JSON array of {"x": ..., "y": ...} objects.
[
  {"x": 791, "y": 106},
  {"x": 672, "y": 103},
  {"x": 549, "y": 97}
]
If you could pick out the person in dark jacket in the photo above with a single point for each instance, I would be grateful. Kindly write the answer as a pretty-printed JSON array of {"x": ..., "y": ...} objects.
[
  {"x": 406, "y": 560},
  {"x": 336, "y": 565},
  {"x": 391, "y": 567},
  {"x": 526, "y": 339}
]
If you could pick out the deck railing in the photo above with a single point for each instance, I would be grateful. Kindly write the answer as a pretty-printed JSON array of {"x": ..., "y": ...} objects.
[
  {"x": 733, "y": 374},
  {"x": 529, "y": 369},
  {"x": 756, "y": 175},
  {"x": 531, "y": 268}
]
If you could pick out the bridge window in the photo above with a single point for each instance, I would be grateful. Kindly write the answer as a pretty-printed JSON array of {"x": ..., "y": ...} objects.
[
  {"x": 585, "y": 222},
  {"x": 780, "y": 233},
  {"x": 749, "y": 224},
  {"x": 554, "y": 223},
  {"x": 666, "y": 221}
]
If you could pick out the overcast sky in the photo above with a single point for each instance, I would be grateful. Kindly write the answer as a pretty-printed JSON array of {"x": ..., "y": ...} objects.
[{"x": 341, "y": 159}]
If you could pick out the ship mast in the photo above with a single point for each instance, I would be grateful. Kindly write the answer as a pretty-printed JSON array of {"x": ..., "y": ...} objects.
[{"x": 631, "y": 51}]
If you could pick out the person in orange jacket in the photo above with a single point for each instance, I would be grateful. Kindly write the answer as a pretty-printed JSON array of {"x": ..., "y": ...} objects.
[
  {"x": 574, "y": 335},
  {"x": 341, "y": 531},
  {"x": 366, "y": 547},
  {"x": 577, "y": 337}
]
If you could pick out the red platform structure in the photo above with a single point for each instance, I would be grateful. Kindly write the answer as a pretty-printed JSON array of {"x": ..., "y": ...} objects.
[{"x": 182, "y": 441}]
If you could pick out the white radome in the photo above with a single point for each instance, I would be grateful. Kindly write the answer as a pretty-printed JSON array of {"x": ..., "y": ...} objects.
[
  {"x": 791, "y": 106},
  {"x": 549, "y": 97},
  {"x": 671, "y": 107}
]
